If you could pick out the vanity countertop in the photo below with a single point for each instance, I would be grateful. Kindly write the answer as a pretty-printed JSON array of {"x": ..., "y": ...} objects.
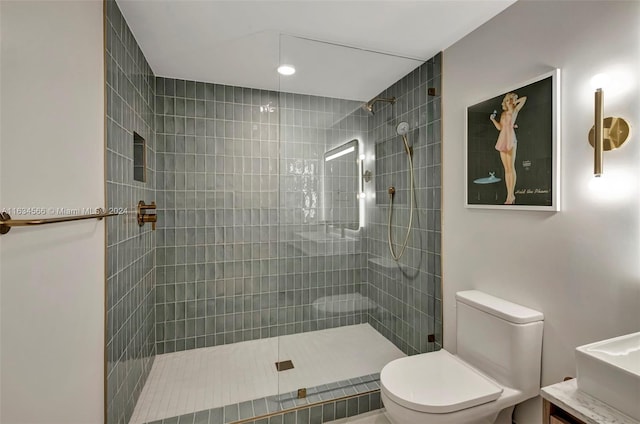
[{"x": 582, "y": 406}]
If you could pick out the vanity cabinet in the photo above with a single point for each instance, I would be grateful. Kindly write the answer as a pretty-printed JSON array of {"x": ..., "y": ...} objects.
[
  {"x": 563, "y": 403},
  {"x": 553, "y": 414}
]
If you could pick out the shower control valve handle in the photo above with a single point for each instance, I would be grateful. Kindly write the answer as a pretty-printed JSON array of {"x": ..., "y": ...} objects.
[{"x": 143, "y": 216}]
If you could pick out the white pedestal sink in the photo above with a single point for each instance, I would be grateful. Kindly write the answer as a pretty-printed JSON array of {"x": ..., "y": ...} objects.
[{"x": 609, "y": 370}]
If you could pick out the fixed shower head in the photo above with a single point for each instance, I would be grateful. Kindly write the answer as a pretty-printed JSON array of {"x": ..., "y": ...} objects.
[
  {"x": 369, "y": 105},
  {"x": 369, "y": 108}
]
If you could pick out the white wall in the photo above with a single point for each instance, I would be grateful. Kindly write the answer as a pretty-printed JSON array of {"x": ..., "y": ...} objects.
[
  {"x": 52, "y": 155},
  {"x": 579, "y": 266}
]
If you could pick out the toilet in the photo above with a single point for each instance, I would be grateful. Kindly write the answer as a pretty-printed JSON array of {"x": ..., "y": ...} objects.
[{"x": 497, "y": 366}]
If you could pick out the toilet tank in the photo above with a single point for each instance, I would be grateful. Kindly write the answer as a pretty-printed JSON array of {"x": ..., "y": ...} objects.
[{"x": 500, "y": 338}]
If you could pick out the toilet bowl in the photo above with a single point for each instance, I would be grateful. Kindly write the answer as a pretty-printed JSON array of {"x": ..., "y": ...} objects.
[
  {"x": 456, "y": 392},
  {"x": 496, "y": 367}
]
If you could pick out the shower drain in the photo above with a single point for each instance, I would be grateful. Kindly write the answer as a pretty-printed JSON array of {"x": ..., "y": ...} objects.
[{"x": 284, "y": 365}]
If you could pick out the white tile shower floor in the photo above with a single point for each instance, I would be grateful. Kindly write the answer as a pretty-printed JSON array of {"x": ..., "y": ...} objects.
[{"x": 198, "y": 379}]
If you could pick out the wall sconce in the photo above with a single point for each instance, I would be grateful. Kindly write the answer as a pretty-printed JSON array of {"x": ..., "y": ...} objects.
[{"x": 607, "y": 133}]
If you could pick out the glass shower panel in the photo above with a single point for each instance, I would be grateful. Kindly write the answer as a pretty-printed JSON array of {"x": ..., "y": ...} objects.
[{"x": 340, "y": 318}]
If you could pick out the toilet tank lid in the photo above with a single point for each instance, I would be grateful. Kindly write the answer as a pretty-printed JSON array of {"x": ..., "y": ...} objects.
[{"x": 500, "y": 308}]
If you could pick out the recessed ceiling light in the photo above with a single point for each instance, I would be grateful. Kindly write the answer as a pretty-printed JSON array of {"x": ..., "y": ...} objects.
[{"x": 286, "y": 70}]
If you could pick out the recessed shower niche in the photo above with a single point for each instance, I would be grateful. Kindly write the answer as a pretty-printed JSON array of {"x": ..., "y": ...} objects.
[{"x": 139, "y": 158}]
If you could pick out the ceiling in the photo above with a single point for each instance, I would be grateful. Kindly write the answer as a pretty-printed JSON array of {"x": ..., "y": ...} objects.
[{"x": 346, "y": 49}]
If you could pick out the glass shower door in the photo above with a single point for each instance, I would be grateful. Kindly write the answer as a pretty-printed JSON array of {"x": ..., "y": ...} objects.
[{"x": 335, "y": 335}]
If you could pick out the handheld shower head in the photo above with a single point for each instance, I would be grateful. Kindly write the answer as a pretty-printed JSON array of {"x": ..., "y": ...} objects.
[{"x": 402, "y": 128}]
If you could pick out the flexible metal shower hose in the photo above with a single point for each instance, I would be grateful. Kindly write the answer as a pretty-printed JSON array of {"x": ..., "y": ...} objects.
[{"x": 406, "y": 238}]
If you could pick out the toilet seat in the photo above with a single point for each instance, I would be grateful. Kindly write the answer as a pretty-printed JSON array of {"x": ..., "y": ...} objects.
[{"x": 437, "y": 383}]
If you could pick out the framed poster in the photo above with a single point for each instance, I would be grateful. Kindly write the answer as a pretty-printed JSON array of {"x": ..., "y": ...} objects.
[{"x": 512, "y": 147}]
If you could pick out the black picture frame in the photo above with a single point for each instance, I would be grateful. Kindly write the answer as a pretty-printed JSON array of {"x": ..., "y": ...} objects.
[{"x": 524, "y": 174}]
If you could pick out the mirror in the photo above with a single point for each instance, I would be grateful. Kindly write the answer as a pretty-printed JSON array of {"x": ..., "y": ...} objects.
[{"x": 342, "y": 186}]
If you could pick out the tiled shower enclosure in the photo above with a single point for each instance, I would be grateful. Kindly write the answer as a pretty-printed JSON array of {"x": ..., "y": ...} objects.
[
  {"x": 236, "y": 186},
  {"x": 258, "y": 231}
]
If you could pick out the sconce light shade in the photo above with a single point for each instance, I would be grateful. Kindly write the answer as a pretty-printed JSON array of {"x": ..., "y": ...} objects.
[{"x": 606, "y": 134}]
